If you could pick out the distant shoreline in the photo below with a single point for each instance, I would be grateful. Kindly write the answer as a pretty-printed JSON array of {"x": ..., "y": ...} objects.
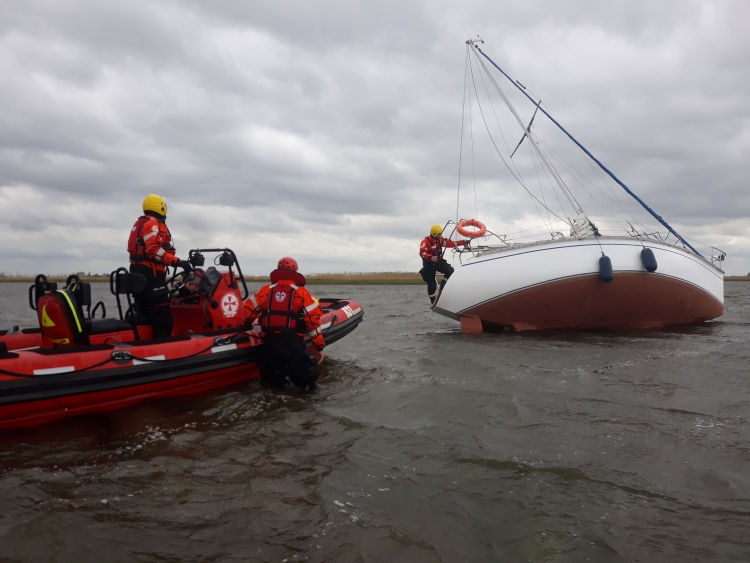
[
  {"x": 369, "y": 278},
  {"x": 372, "y": 278}
]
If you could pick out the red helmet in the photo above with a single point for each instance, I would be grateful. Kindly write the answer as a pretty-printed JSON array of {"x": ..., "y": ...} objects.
[{"x": 287, "y": 263}]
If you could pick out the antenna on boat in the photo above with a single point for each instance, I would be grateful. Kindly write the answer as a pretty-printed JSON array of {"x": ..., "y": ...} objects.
[{"x": 522, "y": 88}]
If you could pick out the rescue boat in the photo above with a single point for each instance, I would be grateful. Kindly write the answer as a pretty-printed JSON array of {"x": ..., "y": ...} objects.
[
  {"x": 74, "y": 363},
  {"x": 581, "y": 277}
]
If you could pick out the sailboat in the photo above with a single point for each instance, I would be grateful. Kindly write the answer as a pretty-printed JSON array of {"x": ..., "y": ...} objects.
[{"x": 577, "y": 277}]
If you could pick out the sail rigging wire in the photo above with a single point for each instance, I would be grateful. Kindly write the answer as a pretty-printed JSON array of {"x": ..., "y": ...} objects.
[
  {"x": 461, "y": 144},
  {"x": 507, "y": 148},
  {"x": 557, "y": 157},
  {"x": 571, "y": 198},
  {"x": 481, "y": 111},
  {"x": 587, "y": 159},
  {"x": 539, "y": 181},
  {"x": 476, "y": 95},
  {"x": 616, "y": 199},
  {"x": 540, "y": 153},
  {"x": 534, "y": 228},
  {"x": 547, "y": 223},
  {"x": 604, "y": 181},
  {"x": 552, "y": 187},
  {"x": 473, "y": 161},
  {"x": 607, "y": 170},
  {"x": 573, "y": 176},
  {"x": 596, "y": 170}
]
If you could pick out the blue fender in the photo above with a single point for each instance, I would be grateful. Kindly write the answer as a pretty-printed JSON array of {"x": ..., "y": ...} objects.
[
  {"x": 605, "y": 269},
  {"x": 648, "y": 259}
]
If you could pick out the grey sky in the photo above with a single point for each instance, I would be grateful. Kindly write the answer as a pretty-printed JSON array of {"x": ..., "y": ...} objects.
[{"x": 330, "y": 130}]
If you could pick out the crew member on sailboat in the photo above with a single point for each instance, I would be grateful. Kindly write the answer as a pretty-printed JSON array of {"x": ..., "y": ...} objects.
[{"x": 431, "y": 250}]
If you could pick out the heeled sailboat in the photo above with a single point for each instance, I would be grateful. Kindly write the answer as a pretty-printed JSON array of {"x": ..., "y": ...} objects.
[{"x": 580, "y": 279}]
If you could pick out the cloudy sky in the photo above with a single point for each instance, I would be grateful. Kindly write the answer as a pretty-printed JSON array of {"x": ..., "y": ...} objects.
[{"x": 330, "y": 131}]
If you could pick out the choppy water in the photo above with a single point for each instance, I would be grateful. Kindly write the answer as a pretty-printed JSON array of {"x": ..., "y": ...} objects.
[{"x": 421, "y": 445}]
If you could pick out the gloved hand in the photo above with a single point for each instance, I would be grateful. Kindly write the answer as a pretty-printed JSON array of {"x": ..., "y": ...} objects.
[
  {"x": 184, "y": 264},
  {"x": 319, "y": 356}
]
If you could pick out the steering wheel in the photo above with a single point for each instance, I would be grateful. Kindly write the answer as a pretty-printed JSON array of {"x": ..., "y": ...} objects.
[
  {"x": 184, "y": 271},
  {"x": 176, "y": 288},
  {"x": 191, "y": 285}
]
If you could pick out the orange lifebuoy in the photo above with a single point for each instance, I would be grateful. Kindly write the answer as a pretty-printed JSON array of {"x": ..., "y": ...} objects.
[{"x": 471, "y": 223}]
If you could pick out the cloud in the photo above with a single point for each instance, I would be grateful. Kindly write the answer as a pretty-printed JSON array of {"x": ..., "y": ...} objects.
[{"x": 331, "y": 131}]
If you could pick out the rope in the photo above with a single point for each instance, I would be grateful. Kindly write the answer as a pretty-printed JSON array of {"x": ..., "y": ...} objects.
[{"x": 18, "y": 374}]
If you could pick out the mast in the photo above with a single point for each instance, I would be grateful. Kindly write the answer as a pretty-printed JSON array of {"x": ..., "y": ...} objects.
[{"x": 584, "y": 149}]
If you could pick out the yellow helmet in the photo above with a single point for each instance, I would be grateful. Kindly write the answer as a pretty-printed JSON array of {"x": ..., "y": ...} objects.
[
  {"x": 155, "y": 203},
  {"x": 436, "y": 230}
]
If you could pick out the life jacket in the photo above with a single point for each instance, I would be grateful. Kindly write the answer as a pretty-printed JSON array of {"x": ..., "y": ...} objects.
[
  {"x": 61, "y": 319},
  {"x": 431, "y": 247},
  {"x": 280, "y": 316},
  {"x": 136, "y": 245}
]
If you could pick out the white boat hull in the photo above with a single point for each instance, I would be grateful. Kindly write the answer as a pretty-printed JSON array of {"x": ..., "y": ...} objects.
[{"x": 557, "y": 285}]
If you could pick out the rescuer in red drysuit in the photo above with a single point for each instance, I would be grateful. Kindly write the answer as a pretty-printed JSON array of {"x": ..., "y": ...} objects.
[
  {"x": 431, "y": 251},
  {"x": 287, "y": 313},
  {"x": 151, "y": 252}
]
